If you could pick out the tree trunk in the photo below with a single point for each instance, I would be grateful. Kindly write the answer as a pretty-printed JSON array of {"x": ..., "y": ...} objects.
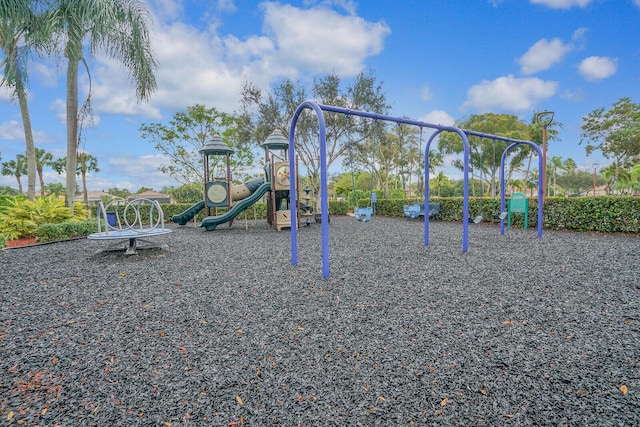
[
  {"x": 85, "y": 196},
  {"x": 19, "y": 183},
  {"x": 28, "y": 136},
  {"x": 41, "y": 180},
  {"x": 72, "y": 131}
]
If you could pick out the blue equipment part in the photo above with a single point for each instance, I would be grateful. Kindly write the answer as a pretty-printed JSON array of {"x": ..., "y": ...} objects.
[
  {"x": 363, "y": 214},
  {"x": 414, "y": 210}
]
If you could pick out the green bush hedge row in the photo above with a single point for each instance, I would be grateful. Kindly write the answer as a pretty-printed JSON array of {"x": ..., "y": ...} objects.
[
  {"x": 66, "y": 230},
  {"x": 603, "y": 213},
  {"x": 60, "y": 231}
]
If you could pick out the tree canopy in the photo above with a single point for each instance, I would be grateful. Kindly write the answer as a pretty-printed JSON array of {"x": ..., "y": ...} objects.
[
  {"x": 187, "y": 132},
  {"x": 262, "y": 112},
  {"x": 614, "y": 132}
]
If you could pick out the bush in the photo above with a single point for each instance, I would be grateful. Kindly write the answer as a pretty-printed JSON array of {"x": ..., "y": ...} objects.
[
  {"x": 20, "y": 217},
  {"x": 66, "y": 230}
]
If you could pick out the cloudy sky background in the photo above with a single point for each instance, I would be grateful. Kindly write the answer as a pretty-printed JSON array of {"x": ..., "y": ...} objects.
[{"x": 438, "y": 61}]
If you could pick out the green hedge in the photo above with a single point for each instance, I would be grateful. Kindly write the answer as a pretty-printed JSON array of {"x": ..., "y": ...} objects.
[
  {"x": 66, "y": 230},
  {"x": 603, "y": 213}
]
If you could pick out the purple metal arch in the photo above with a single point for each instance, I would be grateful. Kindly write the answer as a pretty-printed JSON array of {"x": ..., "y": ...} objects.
[
  {"x": 502, "y": 183},
  {"x": 465, "y": 195},
  {"x": 324, "y": 202}
]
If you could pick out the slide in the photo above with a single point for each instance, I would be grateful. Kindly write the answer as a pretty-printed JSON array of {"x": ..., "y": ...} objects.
[
  {"x": 188, "y": 215},
  {"x": 211, "y": 222}
]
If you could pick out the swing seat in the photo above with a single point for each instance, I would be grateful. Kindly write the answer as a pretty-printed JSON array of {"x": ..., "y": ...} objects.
[
  {"x": 434, "y": 209},
  {"x": 363, "y": 214},
  {"x": 475, "y": 220},
  {"x": 414, "y": 210},
  {"x": 500, "y": 216}
]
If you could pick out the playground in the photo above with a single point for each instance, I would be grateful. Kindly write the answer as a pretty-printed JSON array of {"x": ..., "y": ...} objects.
[{"x": 220, "y": 329}]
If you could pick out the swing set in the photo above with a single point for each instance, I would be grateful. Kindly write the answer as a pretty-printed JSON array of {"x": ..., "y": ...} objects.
[
  {"x": 319, "y": 110},
  {"x": 364, "y": 214},
  {"x": 497, "y": 216}
]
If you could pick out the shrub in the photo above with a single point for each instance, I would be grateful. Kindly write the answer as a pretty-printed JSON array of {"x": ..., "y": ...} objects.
[
  {"x": 66, "y": 230},
  {"x": 21, "y": 217}
]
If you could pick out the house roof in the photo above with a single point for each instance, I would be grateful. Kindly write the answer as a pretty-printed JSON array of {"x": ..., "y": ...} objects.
[
  {"x": 149, "y": 195},
  {"x": 93, "y": 195}
]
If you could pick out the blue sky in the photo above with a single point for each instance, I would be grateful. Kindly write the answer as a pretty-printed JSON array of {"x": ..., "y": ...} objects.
[{"x": 438, "y": 60}]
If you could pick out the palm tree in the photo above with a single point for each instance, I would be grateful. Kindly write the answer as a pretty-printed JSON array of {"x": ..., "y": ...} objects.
[
  {"x": 118, "y": 28},
  {"x": 17, "y": 168},
  {"x": 43, "y": 158},
  {"x": 16, "y": 21},
  {"x": 86, "y": 163},
  {"x": 612, "y": 173},
  {"x": 439, "y": 182}
]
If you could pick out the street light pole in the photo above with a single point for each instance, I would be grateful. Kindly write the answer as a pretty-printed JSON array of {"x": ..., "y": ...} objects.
[
  {"x": 595, "y": 174},
  {"x": 544, "y": 119}
]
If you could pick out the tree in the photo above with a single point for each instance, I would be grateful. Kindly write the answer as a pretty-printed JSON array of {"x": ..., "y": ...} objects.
[
  {"x": 440, "y": 182},
  {"x": 119, "y": 29},
  {"x": 187, "y": 133},
  {"x": 55, "y": 188},
  {"x": 612, "y": 173},
  {"x": 261, "y": 113},
  {"x": 187, "y": 193},
  {"x": 17, "y": 168},
  {"x": 119, "y": 193},
  {"x": 576, "y": 182},
  {"x": 84, "y": 163},
  {"x": 615, "y": 132},
  {"x": 43, "y": 158},
  {"x": 17, "y": 20},
  {"x": 485, "y": 153},
  {"x": 5, "y": 190}
]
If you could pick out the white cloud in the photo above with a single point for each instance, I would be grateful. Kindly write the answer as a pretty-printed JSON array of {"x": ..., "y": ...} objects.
[
  {"x": 12, "y": 130},
  {"x": 200, "y": 66},
  {"x": 47, "y": 75},
  {"x": 543, "y": 55},
  {"x": 226, "y": 6},
  {"x": 425, "y": 93},
  {"x": 562, "y": 4},
  {"x": 508, "y": 94},
  {"x": 596, "y": 68},
  {"x": 5, "y": 93},
  {"x": 167, "y": 10},
  {"x": 143, "y": 170},
  {"x": 59, "y": 108},
  {"x": 575, "y": 96},
  {"x": 438, "y": 117},
  {"x": 300, "y": 37},
  {"x": 580, "y": 35}
]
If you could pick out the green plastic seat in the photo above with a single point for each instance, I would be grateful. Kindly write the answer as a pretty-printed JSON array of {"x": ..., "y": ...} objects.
[{"x": 518, "y": 203}]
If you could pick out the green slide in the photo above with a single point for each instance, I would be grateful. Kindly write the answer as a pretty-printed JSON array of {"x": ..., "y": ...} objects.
[
  {"x": 211, "y": 222},
  {"x": 188, "y": 215}
]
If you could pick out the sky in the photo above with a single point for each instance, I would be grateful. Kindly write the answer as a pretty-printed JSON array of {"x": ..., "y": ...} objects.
[{"x": 438, "y": 61}]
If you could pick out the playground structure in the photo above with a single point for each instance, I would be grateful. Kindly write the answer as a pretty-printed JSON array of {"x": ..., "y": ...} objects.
[
  {"x": 324, "y": 204},
  {"x": 128, "y": 228},
  {"x": 219, "y": 192}
]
